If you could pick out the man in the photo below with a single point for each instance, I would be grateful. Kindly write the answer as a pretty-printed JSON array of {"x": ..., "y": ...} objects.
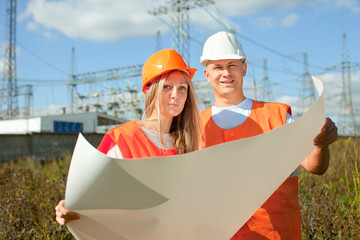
[{"x": 233, "y": 116}]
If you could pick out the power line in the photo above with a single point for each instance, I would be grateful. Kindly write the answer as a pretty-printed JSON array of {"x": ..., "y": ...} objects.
[
  {"x": 223, "y": 22},
  {"x": 276, "y": 52},
  {"x": 251, "y": 62},
  {"x": 57, "y": 82},
  {"x": 41, "y": 59}
]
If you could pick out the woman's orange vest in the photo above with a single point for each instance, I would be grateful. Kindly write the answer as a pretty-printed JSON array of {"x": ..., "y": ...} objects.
[
  {"x": 132, "y": 141},
  {"x": 279, "y": 216}
]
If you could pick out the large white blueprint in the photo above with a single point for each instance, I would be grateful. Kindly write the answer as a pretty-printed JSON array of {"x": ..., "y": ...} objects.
[{"x": 207, "y": 194}]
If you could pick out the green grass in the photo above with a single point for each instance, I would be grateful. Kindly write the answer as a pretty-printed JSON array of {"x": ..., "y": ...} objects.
[{"x": 30, "y": 189}]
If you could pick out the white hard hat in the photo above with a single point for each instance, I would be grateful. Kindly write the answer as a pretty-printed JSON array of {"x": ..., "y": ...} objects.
[{"x": 222, "y": 45}]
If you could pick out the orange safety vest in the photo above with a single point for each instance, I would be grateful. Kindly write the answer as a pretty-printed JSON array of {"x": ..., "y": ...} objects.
[
  {"x": 132, "y": 141},
  {"x": 279, "y": 216}
]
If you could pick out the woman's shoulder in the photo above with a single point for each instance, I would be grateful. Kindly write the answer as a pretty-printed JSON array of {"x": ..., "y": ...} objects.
[{"x": 124, "y": 128}]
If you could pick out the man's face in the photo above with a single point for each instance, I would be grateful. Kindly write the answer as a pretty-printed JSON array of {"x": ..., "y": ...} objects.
[{"x": 226, "y": 78}]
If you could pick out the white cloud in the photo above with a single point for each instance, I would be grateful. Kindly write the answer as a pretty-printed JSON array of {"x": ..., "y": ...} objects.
[
  {"x": 263, "y": 22},
  {"x": 332, "y": 95},
  {"x": 265, "y": 8},
  {"x": 31, "y": 26},
  {"x": 290, "y": 100},
  {"x": 333, "y": 91},
  {"x": 210, "y": 18},
  {"x": 2, "y": 48},
  {"x": 270, "y": 22},
  {"x": 290, "y": 20},
  {"x": 110, "y": 20},
  {"x": 2, "y": 60},
  {"x": 48, "y": 34},
  {"x": 352, "y": 5},
  {"x": 95, "y": 20},
  {"x": 245, "y": 8}
]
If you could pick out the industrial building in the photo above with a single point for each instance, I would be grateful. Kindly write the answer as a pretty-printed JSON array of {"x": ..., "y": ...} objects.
[
  {"x": 89, "y": 122},
  {"x": 49, "y": 137}
]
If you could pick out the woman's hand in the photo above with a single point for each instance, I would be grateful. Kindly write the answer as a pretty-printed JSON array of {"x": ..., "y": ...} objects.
[{"x": 63, "y": 215}]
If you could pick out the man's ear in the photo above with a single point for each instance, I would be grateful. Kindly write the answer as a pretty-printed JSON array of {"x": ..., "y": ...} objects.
[
  {"x": 206, "y": 73},
  {"x": 244, "y": 68}
]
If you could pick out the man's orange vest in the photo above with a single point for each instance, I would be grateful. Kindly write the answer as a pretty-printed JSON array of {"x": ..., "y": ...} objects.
[
  {"x": 279, "y": 216},
  {"x": 132, "y": 141}
]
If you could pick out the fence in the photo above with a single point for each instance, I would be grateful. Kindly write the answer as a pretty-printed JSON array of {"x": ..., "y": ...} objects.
[{"x": 41, "y": 145}]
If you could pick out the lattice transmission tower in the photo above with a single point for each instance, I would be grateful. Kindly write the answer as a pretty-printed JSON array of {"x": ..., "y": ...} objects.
[
  {"x": 9, "y": 91},
  {"x": 267, "y": 89},
  {"x": 158, "y": 41},
  {"x": 178, "y": 11},
  {"x": 72, "y": 78},
  {"x": 262, "y": 88},
  {"x": 307, "y": 90},
  {"x": 346, "y": 122}
]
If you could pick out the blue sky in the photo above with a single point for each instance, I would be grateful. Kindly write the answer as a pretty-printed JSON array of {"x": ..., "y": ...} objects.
[{"x": 110, "y": 33}]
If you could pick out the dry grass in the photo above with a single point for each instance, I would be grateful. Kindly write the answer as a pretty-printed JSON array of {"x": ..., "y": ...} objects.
[
  {"x": 330, "y": 204},
  {"x": 29, "y": 191}
]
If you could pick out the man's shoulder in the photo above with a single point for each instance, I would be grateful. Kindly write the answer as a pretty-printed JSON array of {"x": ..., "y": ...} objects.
[
  {"x": 205, "y": 112},
  {"x": 270, "y": 105},
  {"x": 205, "y": 115}
]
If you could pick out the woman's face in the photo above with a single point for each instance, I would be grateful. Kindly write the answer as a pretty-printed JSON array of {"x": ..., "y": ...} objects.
[{"x": 174, "y": 94}]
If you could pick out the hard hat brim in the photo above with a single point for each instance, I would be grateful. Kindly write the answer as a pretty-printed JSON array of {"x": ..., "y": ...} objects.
[
  {"x": 204, "y": 61},
  {"x": 191, "y": 72}
]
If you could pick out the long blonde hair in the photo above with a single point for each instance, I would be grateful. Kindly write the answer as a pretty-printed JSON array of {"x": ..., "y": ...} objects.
[{"x": 185, "y": 128}]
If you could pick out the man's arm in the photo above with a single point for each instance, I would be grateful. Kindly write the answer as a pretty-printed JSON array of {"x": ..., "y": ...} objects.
[{"x": 317, "y": 162}]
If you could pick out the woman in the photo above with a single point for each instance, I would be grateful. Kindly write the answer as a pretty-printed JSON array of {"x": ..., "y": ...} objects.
[{"x": 171, "y": 125}]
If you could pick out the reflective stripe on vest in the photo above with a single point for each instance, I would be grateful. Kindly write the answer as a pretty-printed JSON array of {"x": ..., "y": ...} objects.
[{"x": 279, "y": 216}]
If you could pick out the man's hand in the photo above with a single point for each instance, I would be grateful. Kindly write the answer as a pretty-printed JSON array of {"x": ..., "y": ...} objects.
[
  {"x": 327, "y": 135},
  {"x": 317, "y": 162}
]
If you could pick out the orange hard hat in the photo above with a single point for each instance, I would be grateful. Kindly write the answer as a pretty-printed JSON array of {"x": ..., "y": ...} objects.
[{"x": 162, "y": 62}]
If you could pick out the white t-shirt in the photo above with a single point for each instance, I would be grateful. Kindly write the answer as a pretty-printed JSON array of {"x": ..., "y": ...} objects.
[{"x": 233, "y": 116}]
